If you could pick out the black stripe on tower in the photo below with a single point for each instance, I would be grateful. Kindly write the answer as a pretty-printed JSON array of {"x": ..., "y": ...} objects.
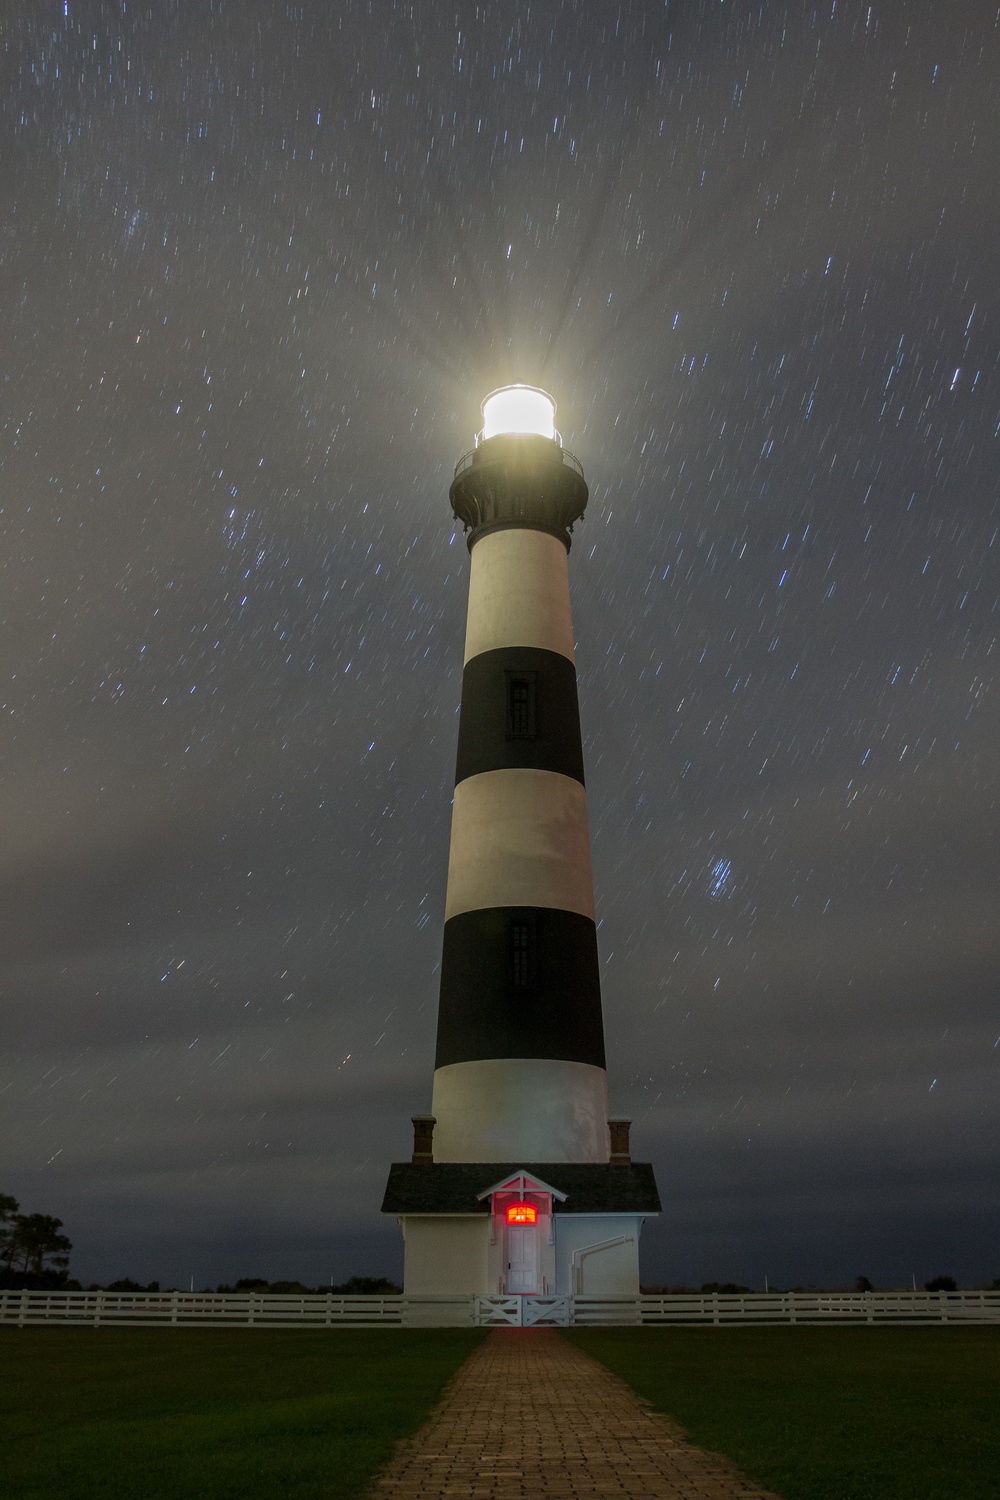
[
  {"x": 520, "y": 981},
  {"x": 520, "y": 711}
]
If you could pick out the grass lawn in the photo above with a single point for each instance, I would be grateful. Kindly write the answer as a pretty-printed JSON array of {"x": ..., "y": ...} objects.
[
  {"x": 212, "y": 1413},
  {"x": 827, "y": 1413}
]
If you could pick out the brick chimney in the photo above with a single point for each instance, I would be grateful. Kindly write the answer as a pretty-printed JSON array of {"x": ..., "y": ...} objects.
[
  {"x": 423, "y": 1138},
  {"x": 621, "y": 1155}
]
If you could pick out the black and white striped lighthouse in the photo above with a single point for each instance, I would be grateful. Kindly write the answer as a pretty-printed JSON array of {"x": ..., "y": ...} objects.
[
  {"x": 520, "y": 1079},
  {"x": 520, "y": 1068}
]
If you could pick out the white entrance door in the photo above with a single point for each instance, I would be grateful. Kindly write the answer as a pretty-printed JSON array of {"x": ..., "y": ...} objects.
[{"x": 522, "y": 1257}]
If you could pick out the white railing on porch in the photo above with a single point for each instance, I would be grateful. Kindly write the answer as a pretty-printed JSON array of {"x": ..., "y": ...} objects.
[{"x": 285, "y": 1310}]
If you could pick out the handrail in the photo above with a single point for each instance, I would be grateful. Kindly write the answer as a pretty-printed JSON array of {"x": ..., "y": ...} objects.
[{"x": 581, "y": 1253}]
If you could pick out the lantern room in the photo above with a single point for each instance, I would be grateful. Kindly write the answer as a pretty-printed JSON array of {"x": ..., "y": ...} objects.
[{"x": 519, "y": 410}]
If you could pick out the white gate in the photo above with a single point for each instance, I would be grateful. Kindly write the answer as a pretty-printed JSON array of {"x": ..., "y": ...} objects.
[
  {"x": 523, "y": 1312},
  {"x": 546, "y": 1312}
]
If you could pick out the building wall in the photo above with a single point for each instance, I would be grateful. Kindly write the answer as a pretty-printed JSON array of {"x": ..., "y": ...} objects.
[
  {"x": 461, "y": 1254},
  {"x": 445, "y": 1254}
]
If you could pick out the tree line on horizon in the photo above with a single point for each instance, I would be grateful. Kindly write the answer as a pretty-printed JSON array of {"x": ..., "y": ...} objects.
[
  {"x": 34, "y": 1256},
  {"x": 357, "y": 1286},
  {"x": 861, "y": 1284}
]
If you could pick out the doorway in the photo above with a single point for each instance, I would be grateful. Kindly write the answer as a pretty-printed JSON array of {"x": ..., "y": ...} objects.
[{"x": 522, "y": 1258}]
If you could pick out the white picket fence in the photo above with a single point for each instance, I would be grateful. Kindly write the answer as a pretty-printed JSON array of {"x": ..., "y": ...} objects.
[
  {"x": 824, "y": 1307},
  {"x": 232, "y": 1310},
  {"x": 284, "y": 1310},
  {"x": 719, "y": 1309}
]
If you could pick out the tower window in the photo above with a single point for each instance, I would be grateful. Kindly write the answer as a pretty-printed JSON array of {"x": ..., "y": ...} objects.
[
  {"x": 521, "y": 953},
  {"x": 520, "y": 706}
]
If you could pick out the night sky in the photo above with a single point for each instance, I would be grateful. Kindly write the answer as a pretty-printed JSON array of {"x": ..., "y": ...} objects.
[{"x": 260, "y": 263}]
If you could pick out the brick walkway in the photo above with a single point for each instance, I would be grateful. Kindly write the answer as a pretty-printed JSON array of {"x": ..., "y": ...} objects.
[{"x": 529, "y": 1415}]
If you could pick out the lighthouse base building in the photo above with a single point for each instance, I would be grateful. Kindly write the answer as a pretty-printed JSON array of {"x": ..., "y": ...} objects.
[
  {"x": 519, "y": 1182},
  {"x": 545, "y": 1228}
]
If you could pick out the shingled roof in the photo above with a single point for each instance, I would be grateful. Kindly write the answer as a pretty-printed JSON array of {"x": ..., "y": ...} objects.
[{"x": 451, "y": 1187}]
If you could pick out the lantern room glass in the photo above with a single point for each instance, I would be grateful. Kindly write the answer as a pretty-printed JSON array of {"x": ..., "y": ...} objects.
[{"x": 519, "y": 410}]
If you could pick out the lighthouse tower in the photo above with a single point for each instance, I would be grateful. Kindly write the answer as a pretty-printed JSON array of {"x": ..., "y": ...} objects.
[{"x": 519, "y": 1181}]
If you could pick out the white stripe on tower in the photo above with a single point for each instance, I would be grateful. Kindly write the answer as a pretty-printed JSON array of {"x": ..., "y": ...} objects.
[
  {"x": 520, "y": 1058},
  {"x": 519, "y": 838},
  {"x": 519, "y": 593}
]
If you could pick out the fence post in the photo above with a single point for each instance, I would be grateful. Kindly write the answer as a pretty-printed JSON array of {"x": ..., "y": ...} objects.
[{"x": 22, "y": 1316}]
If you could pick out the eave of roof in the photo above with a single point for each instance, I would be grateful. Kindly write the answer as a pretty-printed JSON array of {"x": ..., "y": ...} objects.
[{"x": 453, "y": 1187}]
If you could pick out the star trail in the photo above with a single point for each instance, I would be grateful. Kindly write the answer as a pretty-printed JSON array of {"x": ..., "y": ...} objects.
[{"x": 260, "y": 264}]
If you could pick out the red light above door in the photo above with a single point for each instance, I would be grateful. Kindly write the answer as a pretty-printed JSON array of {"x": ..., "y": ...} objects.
[{"x": 522, "y": 1213}]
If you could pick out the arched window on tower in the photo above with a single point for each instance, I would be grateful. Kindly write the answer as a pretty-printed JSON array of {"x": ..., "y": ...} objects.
[
  {"x": 521, "y": 706},
  {"x": 522, "y": 956}
]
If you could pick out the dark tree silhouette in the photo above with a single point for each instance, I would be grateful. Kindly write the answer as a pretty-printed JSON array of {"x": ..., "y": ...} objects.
[
  {"x": 32, "y": 1249},
  {"x": 36, "y": 1240},
  {"x": 8, "y": 1217}
]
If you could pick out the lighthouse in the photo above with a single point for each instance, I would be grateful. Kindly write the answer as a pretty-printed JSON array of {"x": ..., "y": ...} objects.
[{"x": 520, "y": 1181}]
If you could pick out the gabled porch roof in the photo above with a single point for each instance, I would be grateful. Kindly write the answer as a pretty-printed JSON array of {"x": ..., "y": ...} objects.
[{"x": 521, "y": 1182}]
